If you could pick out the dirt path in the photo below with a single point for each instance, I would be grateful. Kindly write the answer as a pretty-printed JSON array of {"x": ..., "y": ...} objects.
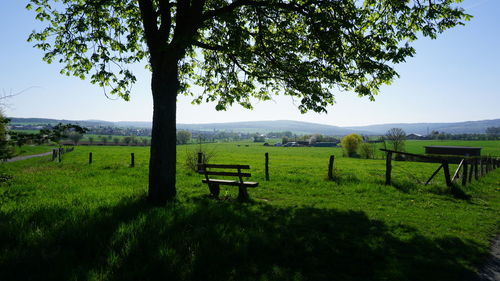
[
  {"x": 490, "y": 271},
  {"x": 19, "y": 158}
]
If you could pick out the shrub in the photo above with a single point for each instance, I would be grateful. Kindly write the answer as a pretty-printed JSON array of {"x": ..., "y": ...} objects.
[
  {"x": 75, "y": 137},
  {"x": 367, "y": 150},
  {"x": 192, "y": 158},
  {"x": 6, "y": 150},
  {"x": 350, "y": 144}
]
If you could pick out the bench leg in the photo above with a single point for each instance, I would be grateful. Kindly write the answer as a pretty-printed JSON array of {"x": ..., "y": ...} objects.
[
  {"x": 214, "y": 189},
  {"x": 243, "y": 194}
]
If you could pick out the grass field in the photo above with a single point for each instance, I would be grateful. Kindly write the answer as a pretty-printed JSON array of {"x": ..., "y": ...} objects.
[
  {"x": 74, "y": 221},
  {"x": 488, "y": 147},
  {"x": 32, "y": 149}
]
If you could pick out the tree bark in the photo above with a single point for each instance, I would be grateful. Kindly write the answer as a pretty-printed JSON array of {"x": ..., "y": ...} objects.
[{"x": 164, "y": 86}]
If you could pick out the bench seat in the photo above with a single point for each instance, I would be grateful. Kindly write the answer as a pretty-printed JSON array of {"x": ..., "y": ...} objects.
[{"x": 232, "y": 182}]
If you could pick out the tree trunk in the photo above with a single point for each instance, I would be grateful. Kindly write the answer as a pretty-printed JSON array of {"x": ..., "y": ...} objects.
[{"x": 162, "y": 163}]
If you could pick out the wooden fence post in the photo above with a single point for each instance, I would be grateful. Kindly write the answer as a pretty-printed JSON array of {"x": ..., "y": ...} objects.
[
  {"x": 388, "y": 168},
  {"x": 200, "y": 160},
  {"x": 267, "y": 165},
  {"x": 60, "y": 154},
  {"x": 465, "y": 172},
  {"x": 90, "y": 158},
  {"x": 476, "y": 169},
  {"x": 471, "y": 170},
  {"x": 132, "y": 160},
  {"x": 54, "y": 154},
  {"x": 486, "y": 166},
  {"x": 330, "y": 167},
  {"x": 446, "y": 169}
]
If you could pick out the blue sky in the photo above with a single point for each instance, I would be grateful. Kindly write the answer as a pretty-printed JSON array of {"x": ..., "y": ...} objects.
[{"x": 453, "y": 78}]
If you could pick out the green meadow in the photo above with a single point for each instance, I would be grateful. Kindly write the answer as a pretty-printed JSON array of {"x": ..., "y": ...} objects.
[
  {"x": 31, "y": 149},
  {"x": 75, "y": 221}
]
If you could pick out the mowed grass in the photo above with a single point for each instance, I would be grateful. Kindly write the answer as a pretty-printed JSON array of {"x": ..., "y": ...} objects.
[
  {"x": 31, "y": 149},
  {"x": 487, "y": 147},
  {"x": 75, "y": 221}
]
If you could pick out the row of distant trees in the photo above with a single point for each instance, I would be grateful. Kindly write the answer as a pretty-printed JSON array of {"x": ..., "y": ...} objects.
[{"x": 491, "y": 133}]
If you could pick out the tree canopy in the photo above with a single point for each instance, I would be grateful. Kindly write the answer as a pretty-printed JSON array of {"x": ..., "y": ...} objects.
[{"x": 242, "y": 48}]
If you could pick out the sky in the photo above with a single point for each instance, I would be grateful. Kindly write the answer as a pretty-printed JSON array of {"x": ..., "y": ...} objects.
[{"x": 451, "y": 79}]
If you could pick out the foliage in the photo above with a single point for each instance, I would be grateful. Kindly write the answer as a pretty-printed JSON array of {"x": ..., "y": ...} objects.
[
  {"x": 183, "y": 137},
  {"x": 259, "y": 138},
  {"x": 367, "y": 150},
  {"x": 277, "y": 44},
  {"x": 127, "y": 140},
  {"x": 192, "y": 157},
  {"x": 61, "y": 131},
  {"x": 351, "y": 143},
  {"x": 116, "y": 140},
  {"x": 75, "y": 137},
  {"x": 104, "y": 139},
  {"x": 396, "y": 137},
  {"x": 6, "y": 150},
  {"x": 91, "y": 140},
  {"x": 22, "y": 138}
]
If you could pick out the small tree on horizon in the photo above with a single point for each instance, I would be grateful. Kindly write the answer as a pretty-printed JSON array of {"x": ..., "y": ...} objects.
[
  {"x": 104, "y": 139},
  {"x": 75, "y": 137},
  {"x": 183, "y": 136},
  {"x": 59, "y": 132},
  {"x": 127, "y": 140},
  {"x": 396, "y": 137},
  {"x": 351, "y": 144}
]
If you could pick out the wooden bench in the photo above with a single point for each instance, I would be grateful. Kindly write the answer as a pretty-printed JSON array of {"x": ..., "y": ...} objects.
[{"x": 215, "y": 170}]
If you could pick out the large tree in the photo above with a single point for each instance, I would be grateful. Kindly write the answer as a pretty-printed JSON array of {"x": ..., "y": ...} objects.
[{"x": 235, "y": 50}]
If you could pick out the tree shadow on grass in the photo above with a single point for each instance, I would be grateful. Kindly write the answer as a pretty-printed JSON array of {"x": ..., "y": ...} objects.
[{"x": 213, "y": 240}]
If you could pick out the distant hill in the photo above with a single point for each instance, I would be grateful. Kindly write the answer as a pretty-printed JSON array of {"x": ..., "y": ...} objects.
[
  {"x": 296, "y": 127},
  {"x": 46, "y": 121},
  {"x": 468, "y": 127},
  {"x": 274, "y": 126}
]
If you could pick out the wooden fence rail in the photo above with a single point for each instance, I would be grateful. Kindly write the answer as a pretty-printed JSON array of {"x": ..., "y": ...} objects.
[{"x": 479, "y": 166}]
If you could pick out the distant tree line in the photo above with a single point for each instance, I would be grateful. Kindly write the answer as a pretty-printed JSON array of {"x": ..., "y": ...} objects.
[{"x": 491, "y": 133}]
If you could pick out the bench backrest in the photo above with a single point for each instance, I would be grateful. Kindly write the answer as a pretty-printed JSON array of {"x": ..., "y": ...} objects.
[{"x": 204, "y": 169}]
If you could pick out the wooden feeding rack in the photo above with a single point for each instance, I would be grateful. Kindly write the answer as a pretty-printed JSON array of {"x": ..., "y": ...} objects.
[{"x": 453, "y": 150}]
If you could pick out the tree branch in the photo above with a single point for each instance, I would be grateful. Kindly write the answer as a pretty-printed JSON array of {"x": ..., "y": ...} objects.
[
  {"x": 252, "y": 3},
  {"x": 166, "y": 19},
  {"x": 150, "y": 24},
  {"x": 207, "y": 46}
]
